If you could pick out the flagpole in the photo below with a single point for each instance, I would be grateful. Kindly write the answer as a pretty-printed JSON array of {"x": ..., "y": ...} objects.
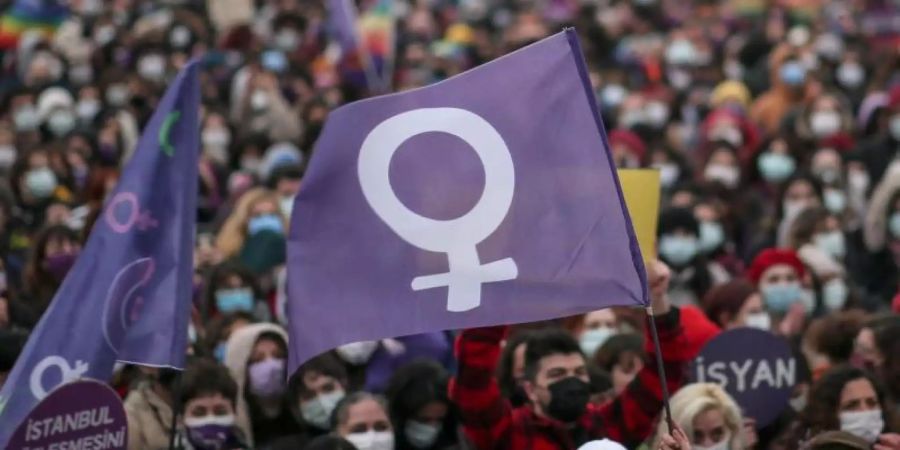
[
  {"x": 176, "y": 394},
  {"x": 660, "y": 369}
]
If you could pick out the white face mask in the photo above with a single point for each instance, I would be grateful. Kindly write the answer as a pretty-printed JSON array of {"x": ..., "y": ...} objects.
[
  {"x": 825, "y": 123},
  {"x": 7, "y": 156},
  {"x": 721, "y": 445},
  {"x": 866, "y": 425},
  {"x": 729, "y": 176},
  {"x": 760, "y": 321},
  {"x": 668, "y": 174},
  {"x": 357, "y": 353},
  {"x": 421, "y": 435},
  {"x": 317, "y": 412},
  {"x": 832, "y": 243},
  {"x": 894, "y": 127},
  {"x": 372, "y": 440},
  {"x": 591, "y": 340},
  {"x": 834, "y": 294}
]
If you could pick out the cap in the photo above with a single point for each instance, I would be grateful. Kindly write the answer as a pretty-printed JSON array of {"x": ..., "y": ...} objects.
[{"x": 770, "y": 257}]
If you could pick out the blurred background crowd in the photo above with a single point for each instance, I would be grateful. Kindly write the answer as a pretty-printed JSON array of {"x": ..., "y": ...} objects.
[{"x": 775, "y": 125}]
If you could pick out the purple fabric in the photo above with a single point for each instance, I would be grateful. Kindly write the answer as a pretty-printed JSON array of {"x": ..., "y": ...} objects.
[
  {"x": 538, "y": 231},
  {"x": 342, "y": 18},
  {"x": 128, "y": 296},
  {"x": 381, "y": 367}
]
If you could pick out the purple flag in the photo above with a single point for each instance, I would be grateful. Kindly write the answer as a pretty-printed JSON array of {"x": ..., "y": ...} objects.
[
  {"x": 484, "y": 199},
  {"x": 128, "y": 295}
]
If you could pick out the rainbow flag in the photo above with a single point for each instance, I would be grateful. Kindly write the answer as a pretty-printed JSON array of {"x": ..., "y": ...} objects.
[
  {"x": 43, "y": 15},
  {"x": 377, "y": 30}
]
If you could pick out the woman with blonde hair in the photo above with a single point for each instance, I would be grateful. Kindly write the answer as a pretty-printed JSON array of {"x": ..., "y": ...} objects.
[
  {"x": 710, "y": 418},
  {"x": 255, "y": 211}
]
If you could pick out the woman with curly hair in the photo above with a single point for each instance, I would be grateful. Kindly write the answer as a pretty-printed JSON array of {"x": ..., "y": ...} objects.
[{"x": 848, "y": 399}]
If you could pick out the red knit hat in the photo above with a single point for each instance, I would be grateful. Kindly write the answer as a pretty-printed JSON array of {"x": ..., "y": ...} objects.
[
  {"x": 630, "y": 140},
  {"x": 770, "y": 257}
]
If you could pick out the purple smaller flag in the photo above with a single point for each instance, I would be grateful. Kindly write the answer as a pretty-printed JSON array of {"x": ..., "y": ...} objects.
[
  {"x": 127, "y": 297},
  {"x": 487, "y": 198}
]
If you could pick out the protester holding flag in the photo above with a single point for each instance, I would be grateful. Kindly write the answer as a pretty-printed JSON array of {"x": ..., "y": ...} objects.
[
  {"x": 556, "y": 384},
  {"x": 709, "y": 417},
  {"x": 756, "y": 115}
]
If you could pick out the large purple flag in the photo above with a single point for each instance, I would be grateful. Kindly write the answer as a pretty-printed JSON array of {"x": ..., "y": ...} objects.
[
  {"x": 488, "y": 198},
  {"x": 128, "y": 295}
]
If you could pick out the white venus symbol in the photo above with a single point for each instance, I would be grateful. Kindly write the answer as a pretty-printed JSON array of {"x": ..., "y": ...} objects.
[{"x": 456, "y": 237}]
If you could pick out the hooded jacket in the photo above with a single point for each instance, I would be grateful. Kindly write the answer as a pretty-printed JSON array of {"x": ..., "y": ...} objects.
[
  {"x": 239, "y": 349},
  {"x": 149, "y": 419}
]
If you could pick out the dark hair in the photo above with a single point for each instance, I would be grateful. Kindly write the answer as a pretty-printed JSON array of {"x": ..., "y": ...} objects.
[
  {"x": 342, "y": 410},
  {"x": 837, "y": 334},
  {"x": 205, "y": 377},
  {"x": 887, "y": 339},
  {"x": 11, "y": 345},
  {"x": 505, "y": 376},
  {"x": 218, "y": 277},
  {"x": 804, "y": 226},
  {"x": 821, "y": 413},
  {"x": 329, "y": 442},
  {"x": 414, "y": 386},
  {"x": 544, "y": 343},
  {"x": 727, "y": 299},
  {"x": 325, "y": 364},
  {"x": 601, "y": 380},
  {"x": 797, "y": 176},
  {"x": 215, "y": 328},
  {"x": 617, "y": 347},
  {"x": 36, "y": 278},
  {"x": 673, "y": 219}
]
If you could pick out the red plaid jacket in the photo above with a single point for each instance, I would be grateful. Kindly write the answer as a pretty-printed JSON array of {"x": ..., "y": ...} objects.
[{"x": 492, "y": 424}]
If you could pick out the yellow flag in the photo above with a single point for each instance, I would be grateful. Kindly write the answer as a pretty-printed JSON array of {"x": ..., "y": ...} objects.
[{"x": 641, "y": 190}]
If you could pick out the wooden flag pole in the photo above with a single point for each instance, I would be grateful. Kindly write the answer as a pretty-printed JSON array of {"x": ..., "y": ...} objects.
[{"x": 661, "y": 370}]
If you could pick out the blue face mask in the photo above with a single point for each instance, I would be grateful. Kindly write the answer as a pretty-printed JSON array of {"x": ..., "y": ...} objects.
[
  {"x": 894, "y": 225},
  {"x": 268, "y": 222},
  {"x": 779, "y": 297},
  {"x": 793, "y": 73},
  {"x": 678, "y": 250},
  {"x": 591, "y": 340},
  {"x": 231, "y": 300},
  {"x": 776, "y": 167},
  {"x": 712, "y": 235}
]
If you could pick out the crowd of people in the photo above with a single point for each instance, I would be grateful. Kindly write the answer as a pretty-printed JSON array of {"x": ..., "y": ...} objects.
[{"x": 775, "y": 126}]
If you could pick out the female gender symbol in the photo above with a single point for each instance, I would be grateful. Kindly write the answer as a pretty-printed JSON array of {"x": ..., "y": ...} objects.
[{"x": 457, "y": 237}]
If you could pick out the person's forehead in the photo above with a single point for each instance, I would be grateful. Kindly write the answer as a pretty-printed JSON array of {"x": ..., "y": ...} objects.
[
  {"x": 602, "y": 315},
  {"x": 209, "y": 400},
  {"x": 857, "y": 389},
  {"x": 779, "y": 270},
  {"x": 561, "y": 361},
  {"x": 826, "y": 156},
  {"x": 366, "y": 411},
  {"x": 314, "y": 379},
  {"x": 711, "y": 417}
]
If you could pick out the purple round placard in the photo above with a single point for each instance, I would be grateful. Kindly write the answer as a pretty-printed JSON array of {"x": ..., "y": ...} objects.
[
  {"x": 755, "y": 367},
  {"x": 80, "y": 414}
]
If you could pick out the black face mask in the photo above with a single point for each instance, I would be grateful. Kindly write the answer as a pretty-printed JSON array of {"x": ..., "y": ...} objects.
[{"x": 568, "y": 399}]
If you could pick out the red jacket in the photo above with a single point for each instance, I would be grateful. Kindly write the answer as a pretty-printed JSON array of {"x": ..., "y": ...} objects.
[{"x": 491, "y": 422}]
